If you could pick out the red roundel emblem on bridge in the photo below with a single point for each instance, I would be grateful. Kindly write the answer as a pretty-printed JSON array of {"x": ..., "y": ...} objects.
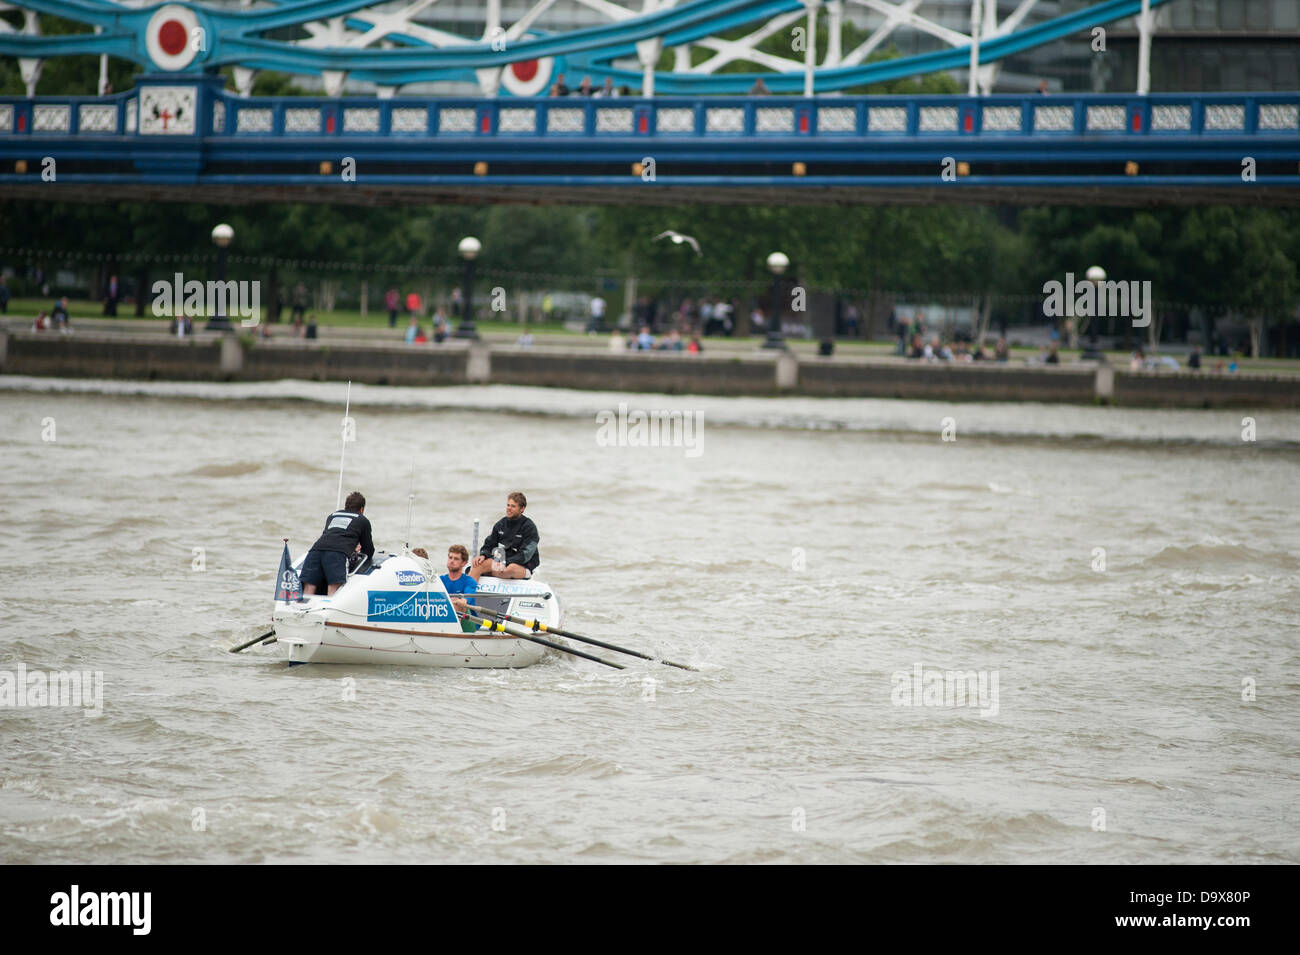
[
  {"x": 528, "y": 77},
  {"x": 174, "y": 37}
]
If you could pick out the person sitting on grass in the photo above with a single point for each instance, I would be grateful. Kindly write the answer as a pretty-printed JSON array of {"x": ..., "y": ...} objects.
[
  {"x": 59, "y": 314},
  {"x": 672, "y": 343}
]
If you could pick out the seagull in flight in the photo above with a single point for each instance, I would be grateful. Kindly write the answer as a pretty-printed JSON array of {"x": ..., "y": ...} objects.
[{"x": 678, "y": 239}]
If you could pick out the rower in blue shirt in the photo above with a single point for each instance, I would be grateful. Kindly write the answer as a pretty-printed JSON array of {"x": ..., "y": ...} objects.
[{"x": 457, "y": 582}]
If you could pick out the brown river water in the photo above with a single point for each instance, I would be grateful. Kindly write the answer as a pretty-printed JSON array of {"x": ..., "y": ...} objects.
[{"x": 1120, "y": 585}]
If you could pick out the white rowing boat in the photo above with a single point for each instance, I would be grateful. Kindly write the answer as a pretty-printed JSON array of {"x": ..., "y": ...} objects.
[{"x": 397, "y": 611}]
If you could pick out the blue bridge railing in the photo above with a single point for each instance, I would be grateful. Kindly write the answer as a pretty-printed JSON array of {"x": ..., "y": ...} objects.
[
  {"x": 1220, "y": 114},
  {"x": 171, "y": 136}
]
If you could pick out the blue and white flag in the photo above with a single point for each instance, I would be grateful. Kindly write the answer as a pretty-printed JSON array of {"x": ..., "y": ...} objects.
[{"x": 287, "y": 584}]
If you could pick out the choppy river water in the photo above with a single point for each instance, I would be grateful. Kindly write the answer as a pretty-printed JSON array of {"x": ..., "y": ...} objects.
[{"x": 1120, "y": 586}]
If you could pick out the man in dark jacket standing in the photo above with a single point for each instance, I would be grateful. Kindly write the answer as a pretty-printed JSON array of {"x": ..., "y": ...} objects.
[
  {"x": 111, "y": 296},
  {"x": 517, "y": 537},
  {"x": 346, "y": 532}
]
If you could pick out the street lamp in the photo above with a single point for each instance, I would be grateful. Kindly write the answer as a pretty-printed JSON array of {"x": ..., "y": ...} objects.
[
  {"x": 222, "y": 236},
  {"x": 469, "y": 249},
  {"x": 778, "y": 262},
  {"x": 1091, "y": 352}
]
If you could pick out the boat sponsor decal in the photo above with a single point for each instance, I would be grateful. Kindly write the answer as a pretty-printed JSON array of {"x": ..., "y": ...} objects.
[
  {"x": 531, "y": 605},
  {"x": 290, "y": 588},
  {"x": 288, "y": 585},
  {"x": 495, "y": 585},
  {"x": 404, "y": 606},
  {"x": 409, "y": 578}
]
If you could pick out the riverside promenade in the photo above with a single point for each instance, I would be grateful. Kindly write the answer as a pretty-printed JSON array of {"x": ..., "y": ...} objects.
[{"x": 101, "y": 350}]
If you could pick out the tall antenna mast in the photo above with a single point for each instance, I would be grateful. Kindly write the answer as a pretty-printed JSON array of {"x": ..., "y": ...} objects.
[
  {"x": 410, "y": 503},
  {"x": 343, "y": 453}
]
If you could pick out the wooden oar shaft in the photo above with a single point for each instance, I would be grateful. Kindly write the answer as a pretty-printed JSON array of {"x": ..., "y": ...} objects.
[
  {"x": 245, "y": 646},
  {"x": 538, "y": 625},
  {"x": 514, "y": 632}
]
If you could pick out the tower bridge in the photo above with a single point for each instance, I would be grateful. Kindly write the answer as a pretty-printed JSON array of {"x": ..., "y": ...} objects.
[{"x": 695, "y": 132}]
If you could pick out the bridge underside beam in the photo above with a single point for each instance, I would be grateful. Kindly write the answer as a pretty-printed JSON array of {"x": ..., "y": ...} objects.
[{"x": 968, "y": 192}]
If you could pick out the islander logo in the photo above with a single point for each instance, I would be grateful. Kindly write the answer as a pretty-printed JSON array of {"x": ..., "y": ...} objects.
[{"x": 409, "y": 578}]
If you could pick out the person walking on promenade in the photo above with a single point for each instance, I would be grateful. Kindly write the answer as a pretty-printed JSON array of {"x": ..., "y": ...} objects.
[
  {"x": 59, "y": 315},
  {"x": 392, "y": 302},
  {"x": 111, "y": 296},
  {"x": 299, "y": 299}
]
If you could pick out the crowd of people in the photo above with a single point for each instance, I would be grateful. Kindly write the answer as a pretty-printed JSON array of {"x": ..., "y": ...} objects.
[
  {"x": 415, "y": 334},
  {"x": 414, "y": 305},
  {"x": 56, "y": 320},
  {"x": 708, "y": 316},
  {"x": 585, "y": 88},
  {"x": 938, "y": 350},
  {"x": 661, "y": 327},
  {"x": 1141, "y": 361},
  {"x": 912, "y": 342},
  {"x": 644, "y": 340},
  {"x": 297, "y": 327}
]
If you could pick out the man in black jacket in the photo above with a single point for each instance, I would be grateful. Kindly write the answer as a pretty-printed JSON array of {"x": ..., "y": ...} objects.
[
  {"x": 346, "y": 532},
  {"x": 517, "y": 536}
]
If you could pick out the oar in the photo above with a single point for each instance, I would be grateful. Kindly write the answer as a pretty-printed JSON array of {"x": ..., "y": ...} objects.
[
  {"x": 514, "y": 632},
  {"x": 245, "y": 646},
  {"x": 537, "y": 625}
]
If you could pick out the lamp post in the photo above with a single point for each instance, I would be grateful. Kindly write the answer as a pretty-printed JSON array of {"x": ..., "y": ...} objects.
[
  {"x": 1096, "y": 275},
  {"x": 222, "y": 236},
  {"x": 778, "y": 262},
  {"x": 469, "y": 248}
]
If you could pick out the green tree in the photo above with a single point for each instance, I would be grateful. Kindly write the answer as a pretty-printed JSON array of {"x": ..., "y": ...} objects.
[
  {"x": 1242, "y": 259},
  {"x": 64, "y": 75}
]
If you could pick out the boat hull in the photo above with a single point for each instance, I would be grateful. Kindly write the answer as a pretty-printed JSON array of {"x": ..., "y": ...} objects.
[
  {"x": 401, "y": 615},
  {"x": 336, "y": 645}
]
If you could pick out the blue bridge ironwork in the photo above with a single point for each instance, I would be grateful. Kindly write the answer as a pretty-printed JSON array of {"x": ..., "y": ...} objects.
[{"x": 184, "y": 138}]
